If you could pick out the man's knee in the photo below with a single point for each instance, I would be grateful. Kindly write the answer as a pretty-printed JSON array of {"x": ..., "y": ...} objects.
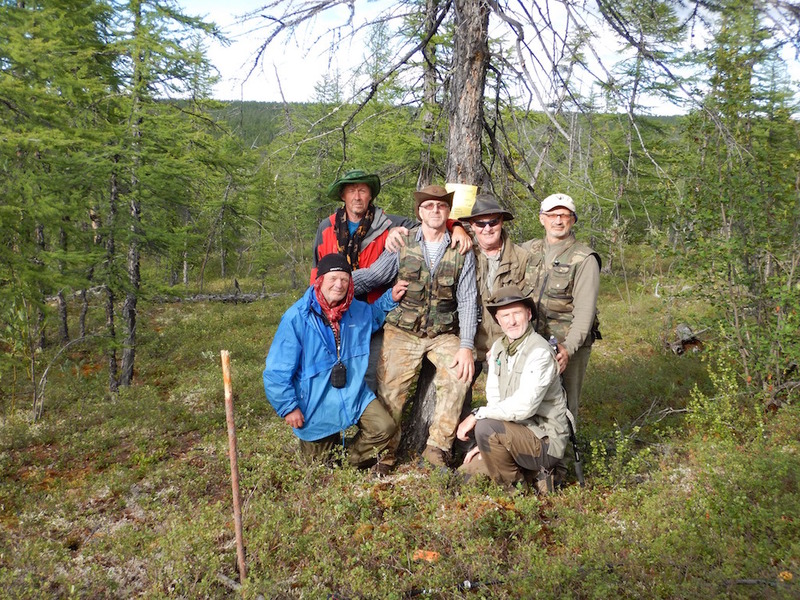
[
  {"x": 485, "y": 428},
  {"x": 377, "y": 423}
]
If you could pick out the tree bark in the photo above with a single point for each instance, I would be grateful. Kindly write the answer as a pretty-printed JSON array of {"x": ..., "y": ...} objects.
[
  {"x": 131, "y": 298},
  {"x": 134, "y": 277},
  {"x": 113, "y": 381},
  {"x": 427, "y": 168},
  {"x": 62, "y": 302},
  {"x": 466, "y": 89}
]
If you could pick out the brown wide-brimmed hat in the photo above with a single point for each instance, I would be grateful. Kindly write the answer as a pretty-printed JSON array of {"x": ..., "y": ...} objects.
[
  {"x": 432, "y": 192},
  {"x": 355, "y": 176},
  {"x": 509, "y": 294},
  {"x": 487, "y": 204}
]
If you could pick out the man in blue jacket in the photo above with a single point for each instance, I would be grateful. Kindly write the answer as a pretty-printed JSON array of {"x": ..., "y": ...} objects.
[{"x": 314, "y": 374}]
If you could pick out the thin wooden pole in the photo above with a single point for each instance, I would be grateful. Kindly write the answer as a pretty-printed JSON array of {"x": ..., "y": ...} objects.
[{"x": 237, "y": 501}]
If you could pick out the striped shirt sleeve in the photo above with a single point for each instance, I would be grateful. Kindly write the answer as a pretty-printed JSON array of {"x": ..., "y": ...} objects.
[
  {"x": 467, "y": 297},
  {"x": 380, "y": 273}
]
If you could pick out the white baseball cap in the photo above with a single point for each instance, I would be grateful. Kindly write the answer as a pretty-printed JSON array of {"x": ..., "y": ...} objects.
[{"x": 554, "y": 200}]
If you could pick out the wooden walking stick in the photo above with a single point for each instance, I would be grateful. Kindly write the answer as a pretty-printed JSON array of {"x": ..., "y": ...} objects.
[{"x": 237, "y": 502}]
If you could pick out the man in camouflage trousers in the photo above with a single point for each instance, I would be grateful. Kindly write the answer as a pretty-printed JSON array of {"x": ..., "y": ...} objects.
[{"x": 436, "y": 319}]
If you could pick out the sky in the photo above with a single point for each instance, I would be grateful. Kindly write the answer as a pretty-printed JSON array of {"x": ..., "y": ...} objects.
[{"x": 297, "y": 71}]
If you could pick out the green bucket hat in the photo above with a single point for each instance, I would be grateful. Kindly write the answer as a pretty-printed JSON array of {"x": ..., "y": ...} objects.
[{"x": 356, "y": 176}]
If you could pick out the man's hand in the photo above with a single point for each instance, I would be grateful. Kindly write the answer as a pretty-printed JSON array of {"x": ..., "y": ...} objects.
[
  {"x": 399, "y": 290},
  {"x": 460, "y": 238},
  {"x": 465, "y": 427},
  {"x": 394, "y": 241},
  {"x": 464, "y": 365},
  {"x": 562, "y": 357},
  {"x": 295, "y": 419},
  {"x": 475, "y": 452}
]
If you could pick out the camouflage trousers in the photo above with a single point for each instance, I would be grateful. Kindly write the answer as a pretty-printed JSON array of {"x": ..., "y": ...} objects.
[{"x": 401, "y": 359}]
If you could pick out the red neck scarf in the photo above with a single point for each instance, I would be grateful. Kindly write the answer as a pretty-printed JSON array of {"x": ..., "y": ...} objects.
[{"x": 333, "y": 313}]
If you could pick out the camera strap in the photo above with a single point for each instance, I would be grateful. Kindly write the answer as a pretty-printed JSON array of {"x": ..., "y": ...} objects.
[{"x": 337, "y": 338}]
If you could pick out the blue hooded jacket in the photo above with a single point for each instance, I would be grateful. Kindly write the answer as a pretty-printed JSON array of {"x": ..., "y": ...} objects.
[{"x": 302, "y": 354}]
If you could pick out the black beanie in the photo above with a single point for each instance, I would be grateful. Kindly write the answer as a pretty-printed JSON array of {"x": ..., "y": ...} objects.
[{"x": 333, "y": 262}]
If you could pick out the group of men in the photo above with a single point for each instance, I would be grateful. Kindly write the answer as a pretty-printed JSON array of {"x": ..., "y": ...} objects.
[{"x": 387, "y": 292}]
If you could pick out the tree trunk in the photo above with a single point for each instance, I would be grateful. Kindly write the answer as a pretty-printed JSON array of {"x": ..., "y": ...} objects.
[
  {"x": 465, "y": 109},
  {"x": 63, "y": 330},
  {"x": 131, "y": 298},
  {"x": 84, "y": 311},
  {"x": 113, "y": 381},
  {"x": 465, "y": 97},
  {"x": 134, "y": 278},
  {"x": 427, "y": 168},
  {"x": 41, "y": 338}
]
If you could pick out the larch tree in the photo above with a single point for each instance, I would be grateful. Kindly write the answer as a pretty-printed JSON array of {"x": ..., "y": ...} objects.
[{"x": 156, "y": 59}]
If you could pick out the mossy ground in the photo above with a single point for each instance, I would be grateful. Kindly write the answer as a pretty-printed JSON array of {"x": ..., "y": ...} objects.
[{"x": 129, "y": 495}]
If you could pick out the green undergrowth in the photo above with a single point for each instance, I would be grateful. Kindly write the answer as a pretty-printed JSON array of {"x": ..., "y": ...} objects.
[{"x": 130, "y": 495}]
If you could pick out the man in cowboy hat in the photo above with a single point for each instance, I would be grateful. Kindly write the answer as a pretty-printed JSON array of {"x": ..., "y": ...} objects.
[
  {"x": 435, "y": 319},
  {"x": 565, "y": 277},
  {"x": 358, "y": 231},
  {"x": 499, "y": 262},
  {"x": 314, "y": 373},
  {"x": 522, "y": 431}
]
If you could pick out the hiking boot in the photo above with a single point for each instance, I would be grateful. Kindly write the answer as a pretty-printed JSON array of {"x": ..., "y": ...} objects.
[
  {"x": 543, "y": 484},
  {"x": 436, "y": 457},
  {"x": 559, "y": 476},
  {"x": 380, "y": 470}
]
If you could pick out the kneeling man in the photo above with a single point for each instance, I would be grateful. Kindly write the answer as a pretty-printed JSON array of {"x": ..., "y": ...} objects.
[
  {"x": 522, "y": 431},
  {"x": 314, "y": 374}
]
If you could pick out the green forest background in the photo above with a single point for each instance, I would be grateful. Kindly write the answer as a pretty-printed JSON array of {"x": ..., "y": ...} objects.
[{"x": 131, "y": 203}]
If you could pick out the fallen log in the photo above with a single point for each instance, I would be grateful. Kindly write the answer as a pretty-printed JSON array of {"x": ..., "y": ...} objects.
[
  {"x": 687, "y": 340},
  {"x": 229, "y": 298}
]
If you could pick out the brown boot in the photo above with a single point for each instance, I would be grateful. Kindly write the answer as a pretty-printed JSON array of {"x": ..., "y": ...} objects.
[
  {"x": 380, "y": 470},
  {"x": 436, "y": 457},
  {"x": 543, "y": 483}
]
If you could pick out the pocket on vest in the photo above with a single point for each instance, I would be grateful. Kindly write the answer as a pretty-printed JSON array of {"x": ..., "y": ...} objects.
[{"x": 559, "y": 283}]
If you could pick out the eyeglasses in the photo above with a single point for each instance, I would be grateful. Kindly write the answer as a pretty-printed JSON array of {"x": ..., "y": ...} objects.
[
  {"x": 435, "y": 206},
  {"x": 555, "y": 216},
  {"x": 482, "y": 224}
]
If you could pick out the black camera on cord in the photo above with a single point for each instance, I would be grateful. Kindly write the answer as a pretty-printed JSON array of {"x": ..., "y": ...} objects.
[{"x": 339, "y": 375}]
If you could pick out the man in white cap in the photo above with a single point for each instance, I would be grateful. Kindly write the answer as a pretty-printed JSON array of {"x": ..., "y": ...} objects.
[{"x": 565, "y": 276}]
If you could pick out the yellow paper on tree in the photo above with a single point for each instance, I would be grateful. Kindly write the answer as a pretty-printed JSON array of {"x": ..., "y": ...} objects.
[{"x": 463, "y": 199}]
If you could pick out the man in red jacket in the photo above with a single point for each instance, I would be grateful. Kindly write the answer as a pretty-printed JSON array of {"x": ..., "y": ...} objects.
[{"x": 358, "y": 229}]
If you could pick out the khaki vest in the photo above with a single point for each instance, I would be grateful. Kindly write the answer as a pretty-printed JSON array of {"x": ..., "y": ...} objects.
[
  {"x": 550, "y": 419},
  {"x": 429, "y": 306},
  {"x": 552, "y": 289},
  {"x": 511, "y": 271}
]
